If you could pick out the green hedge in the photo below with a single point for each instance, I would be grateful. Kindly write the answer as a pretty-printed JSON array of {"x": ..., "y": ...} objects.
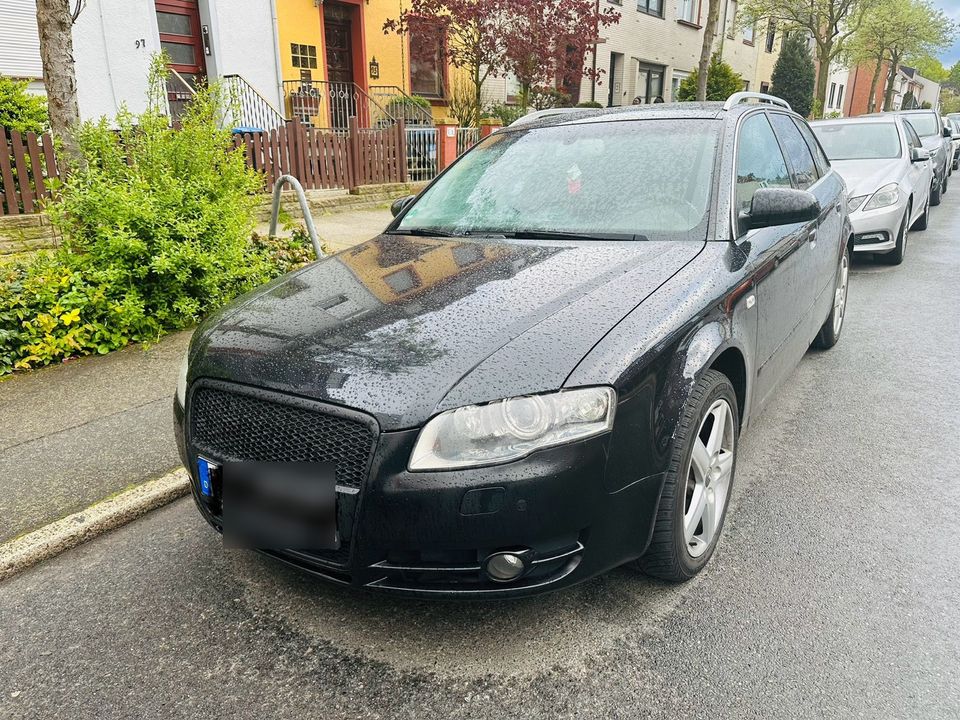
[{"x": 158, "y": 231}]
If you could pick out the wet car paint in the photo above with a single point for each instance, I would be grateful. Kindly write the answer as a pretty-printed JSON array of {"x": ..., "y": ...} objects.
[{"x": 644, "y": 317}]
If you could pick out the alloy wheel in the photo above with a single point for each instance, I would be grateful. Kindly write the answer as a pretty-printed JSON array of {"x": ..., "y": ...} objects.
[
  {"x": 709, "y": 475},
  {"x": 840, "y": 298}
]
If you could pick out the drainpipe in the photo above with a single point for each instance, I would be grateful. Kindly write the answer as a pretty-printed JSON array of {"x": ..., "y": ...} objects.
[
  {"x": 276, "y": 55},
  {"x": 106, "y": 55},
  {"x": 596, "y": 46}
]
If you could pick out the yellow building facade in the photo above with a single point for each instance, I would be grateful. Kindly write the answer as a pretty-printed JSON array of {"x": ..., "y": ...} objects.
[{"x": 337, "y": 60}]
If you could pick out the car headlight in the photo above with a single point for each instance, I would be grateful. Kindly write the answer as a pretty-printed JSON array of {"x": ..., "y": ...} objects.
[
  {"x": 855, "y": 202},
  {"x": 182, "y": 379},
  {"x": 884, "y": 197},
  {"x": 510, "y": 429}
]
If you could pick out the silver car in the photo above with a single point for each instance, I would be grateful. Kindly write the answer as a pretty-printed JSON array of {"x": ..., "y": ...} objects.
[
  {"x": 889, "y": 177},
  {"x": 938, "y": 140}
]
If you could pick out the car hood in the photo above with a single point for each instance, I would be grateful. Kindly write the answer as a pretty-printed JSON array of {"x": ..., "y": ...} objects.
[
  {"x": 865, "y": 177},
  {"x": 395, "y": 325}
]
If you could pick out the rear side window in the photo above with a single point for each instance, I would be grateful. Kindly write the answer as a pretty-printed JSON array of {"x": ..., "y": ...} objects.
[
  {"x": 912, "y": 138},
  {"x": 796, "y": 149},
  {"x": 819, "y": 157},
  {"x": 760, "y": 163}
]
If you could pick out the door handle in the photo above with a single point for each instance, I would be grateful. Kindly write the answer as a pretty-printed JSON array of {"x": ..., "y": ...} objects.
[{"x": 812, "y": 238}]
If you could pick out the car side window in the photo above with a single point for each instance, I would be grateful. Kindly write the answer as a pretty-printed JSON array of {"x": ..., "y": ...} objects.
[
  {"x": 760, "y": 162},
  {"x": 912, "y": 138},
  {"x": 819, "y": 157},
  {"x": 796, "y": 149}
]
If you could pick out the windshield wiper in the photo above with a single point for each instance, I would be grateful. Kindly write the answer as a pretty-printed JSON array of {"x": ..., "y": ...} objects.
[
  {"x": 423, "y": 232},
  {"x": 560, "y": 235}
]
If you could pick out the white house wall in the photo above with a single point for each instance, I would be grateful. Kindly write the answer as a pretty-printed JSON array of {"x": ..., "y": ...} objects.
[
  {"x": 115, "y": 40},
  {"x": 243, "y": 40},
  {"x": 113, "y": 43}
]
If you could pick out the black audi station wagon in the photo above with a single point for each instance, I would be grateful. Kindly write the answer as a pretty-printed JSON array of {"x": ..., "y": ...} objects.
[{"x": 541, "y": 369}]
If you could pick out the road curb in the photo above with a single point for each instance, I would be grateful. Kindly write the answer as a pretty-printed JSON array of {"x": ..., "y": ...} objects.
[{"x": 57, "y": 537}]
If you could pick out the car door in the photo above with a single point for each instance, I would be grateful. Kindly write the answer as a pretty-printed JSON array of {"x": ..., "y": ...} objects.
[
  {"x": 774, "y": 257},
  {"x": 821, "y": 252},
  {"x": 920, "y": 173}
]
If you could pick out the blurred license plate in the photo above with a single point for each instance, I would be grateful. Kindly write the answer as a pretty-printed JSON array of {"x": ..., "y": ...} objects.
[{"x": 280, "y": 506}]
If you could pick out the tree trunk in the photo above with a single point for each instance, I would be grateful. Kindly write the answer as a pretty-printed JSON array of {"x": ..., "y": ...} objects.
[
  {"x": 891, "y": 81},
  {"x": 872, "y": 105},
  {"x": 706, "y": 50},
  {"x": 55, "y": 24},
  {"x": 823, "y": 78}
]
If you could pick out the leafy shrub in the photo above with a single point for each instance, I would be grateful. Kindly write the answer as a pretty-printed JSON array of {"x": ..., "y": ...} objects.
[
  {"x": 19, "y": 110},
  {"x": 589, "y": 104},
  {"x": 722, "y": 82},
  {"x": 157, "y": 227},
  {"x": 506, "y": 114}
]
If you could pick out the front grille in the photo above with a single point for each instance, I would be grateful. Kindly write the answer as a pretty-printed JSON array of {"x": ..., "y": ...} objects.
[{"x": 234, "y": 425}]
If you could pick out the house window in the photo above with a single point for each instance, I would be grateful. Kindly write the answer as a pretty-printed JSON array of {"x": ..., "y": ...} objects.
[
  {"x": 765, "y": 87},
  {"x": 771, "y": 36},
  {"x": 651, "y": 7},
  {"x": 303, "y": 56},
  {"x": 833, "y": 92},
  {"x": 748, "y": 33},
  {"x": 687, "y": 11},
  {"x": 427, "y": 51},
  {"x": 840, "y": 98}
]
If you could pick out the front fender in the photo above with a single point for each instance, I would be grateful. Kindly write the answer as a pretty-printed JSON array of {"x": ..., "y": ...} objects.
[{"x": 648, "y": 416}]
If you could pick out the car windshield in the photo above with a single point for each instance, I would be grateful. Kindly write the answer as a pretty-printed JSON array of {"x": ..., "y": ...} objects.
[
  {"x": 859, "y": 141},
  {"x": 639, "y": 179},
  {"x": 926, "y": 125}
]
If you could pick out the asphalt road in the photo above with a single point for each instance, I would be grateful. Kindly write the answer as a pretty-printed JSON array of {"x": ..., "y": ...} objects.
[{"x": 834, "y": 591}]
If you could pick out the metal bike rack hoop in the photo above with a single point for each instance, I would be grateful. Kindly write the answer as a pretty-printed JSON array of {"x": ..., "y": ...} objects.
[{"x": 307, "y": 217}]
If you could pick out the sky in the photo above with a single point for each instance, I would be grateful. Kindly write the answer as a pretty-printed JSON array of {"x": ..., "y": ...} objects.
[{"x": 952, "y": 9}]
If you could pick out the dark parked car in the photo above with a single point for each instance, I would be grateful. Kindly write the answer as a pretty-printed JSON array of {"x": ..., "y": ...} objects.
[{"x": 540, "y": 371}]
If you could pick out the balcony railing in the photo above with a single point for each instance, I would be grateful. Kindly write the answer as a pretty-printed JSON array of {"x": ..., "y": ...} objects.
[{"x": 322, "y": 104}]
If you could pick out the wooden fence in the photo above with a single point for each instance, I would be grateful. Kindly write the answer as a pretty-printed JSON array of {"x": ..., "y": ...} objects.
[
  {"x": 26, "y": 163},
  {"x": 317, "y": 158},
  {"x": 327, "y": 159}
]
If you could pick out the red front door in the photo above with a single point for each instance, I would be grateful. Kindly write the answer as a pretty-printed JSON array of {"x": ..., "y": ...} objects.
[{"x": 181, "y": 38}]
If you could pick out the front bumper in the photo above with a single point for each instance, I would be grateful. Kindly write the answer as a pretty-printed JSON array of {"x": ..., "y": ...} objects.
[
  {"x": 427, "y": 534},
  {"x": 876, "y": 231}
]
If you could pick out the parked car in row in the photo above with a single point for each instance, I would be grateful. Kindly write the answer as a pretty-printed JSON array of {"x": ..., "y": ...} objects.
[
  {"x": 541, "y": 369},
  {"x": 889, "y": 179},
  {"x": 953, "y": 122},
  {"x": 937, "y": 139}
]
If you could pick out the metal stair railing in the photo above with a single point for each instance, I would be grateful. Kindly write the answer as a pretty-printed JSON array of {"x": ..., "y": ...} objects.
[
  {"x": 401, "y": 104},
  {"x": 250, "y": 109},
  {"x": 324, "y": 104}
]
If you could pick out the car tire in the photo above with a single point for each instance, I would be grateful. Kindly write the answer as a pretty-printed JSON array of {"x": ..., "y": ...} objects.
[
  {"x": 696, "y": 493},
  {"x": 935, "y": 194},
  {"x": 895, "y": 256},
  {"x": 829, "y": 334},
  {"x": 923, "y": 222}
]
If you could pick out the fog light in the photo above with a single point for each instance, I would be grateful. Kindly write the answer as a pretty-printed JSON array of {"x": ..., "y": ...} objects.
[{"x": 504, "y": 567}]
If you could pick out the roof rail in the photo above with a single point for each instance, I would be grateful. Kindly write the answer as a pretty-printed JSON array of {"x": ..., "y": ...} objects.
[{"x": 739, "y": 97}]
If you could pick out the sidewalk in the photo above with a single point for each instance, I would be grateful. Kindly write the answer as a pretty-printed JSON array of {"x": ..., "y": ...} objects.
[{"x": 74, "y": 434}]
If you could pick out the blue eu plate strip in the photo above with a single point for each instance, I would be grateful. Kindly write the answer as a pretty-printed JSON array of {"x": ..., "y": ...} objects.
[{"x": 203, "y": 473}]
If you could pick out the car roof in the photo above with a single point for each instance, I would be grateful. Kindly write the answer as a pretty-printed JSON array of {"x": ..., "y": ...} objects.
[
  {"x": 875, "y": 119},
  {"x": 916, "y": 111},
  {"x": 657, "y": 111}
]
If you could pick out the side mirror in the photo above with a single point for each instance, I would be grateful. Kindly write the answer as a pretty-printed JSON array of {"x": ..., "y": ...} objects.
[
  {"x": 400, "y": 204},
  {"x": 947, "y": 133},
  {"x": 771, "y": 207},
  {"x": 919, "y": 155}
]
